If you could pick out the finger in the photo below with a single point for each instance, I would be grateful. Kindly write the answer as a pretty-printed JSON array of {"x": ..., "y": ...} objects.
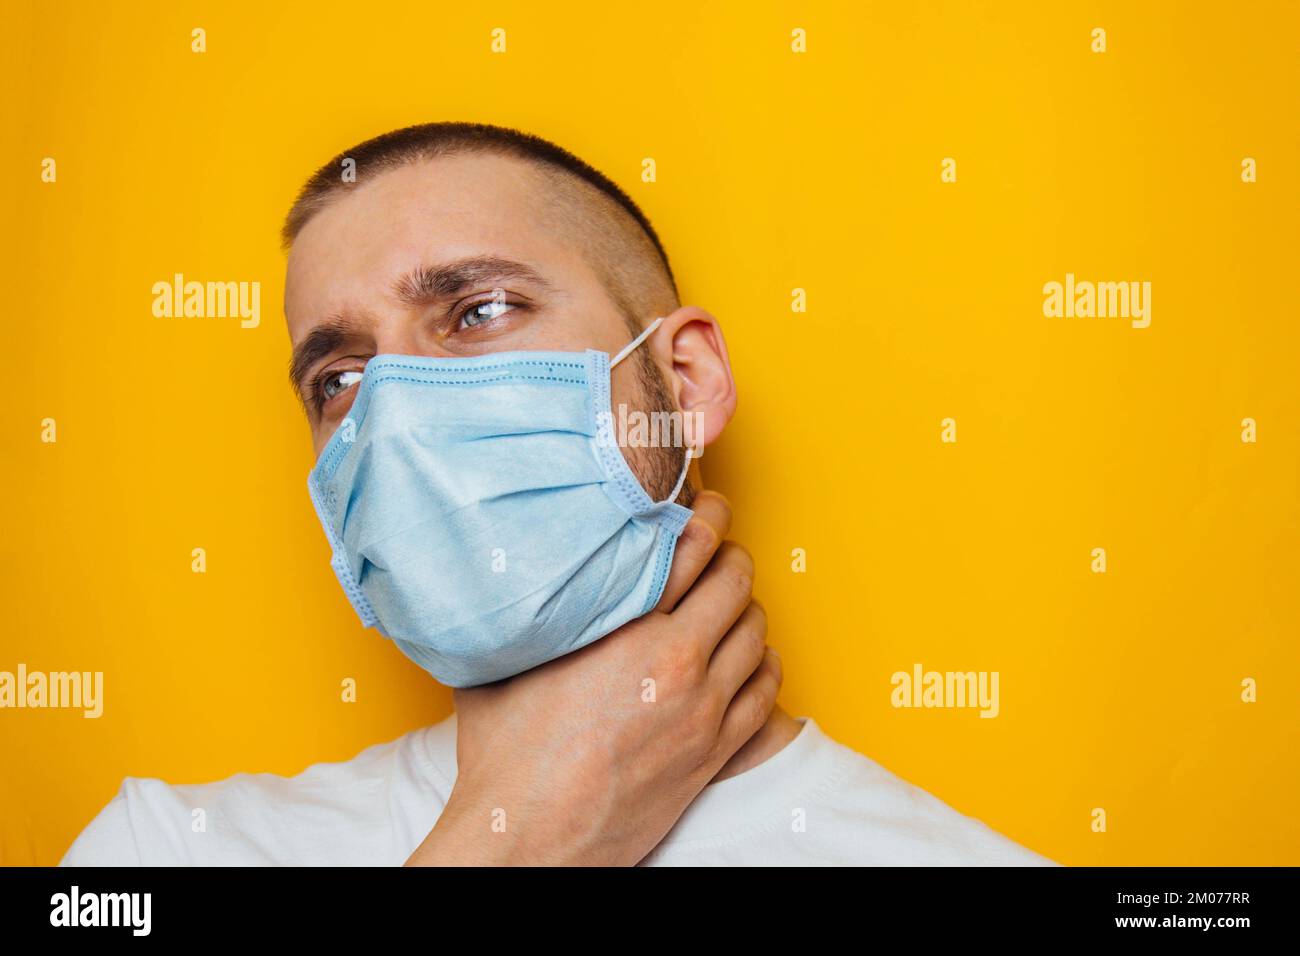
[
  {"x": 696, "y": 546},
  {"x": 717, "y": 599},
  {"x": 751, "y": 706},
  {"x": 738, "y": 654}
]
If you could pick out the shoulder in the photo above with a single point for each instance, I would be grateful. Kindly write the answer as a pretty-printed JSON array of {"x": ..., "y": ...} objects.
[
  {"x": 264, "y": 818},
  {"x": 881, "y": 814},
  {"x": 817, "y": 802},
  {"x": 108, "y": 840}
]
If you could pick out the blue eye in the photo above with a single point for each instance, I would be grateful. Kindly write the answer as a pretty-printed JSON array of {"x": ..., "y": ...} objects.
[
  {"x": 482, "y": 312},
  {"x": 338, "y": 382}
]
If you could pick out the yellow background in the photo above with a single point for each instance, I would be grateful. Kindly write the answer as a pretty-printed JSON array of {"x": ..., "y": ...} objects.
[{"x": 775, "y": 171}]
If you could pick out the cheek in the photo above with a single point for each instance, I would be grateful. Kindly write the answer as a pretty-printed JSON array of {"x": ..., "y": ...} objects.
[
  {"x": 324, "y": 430},
  {"x": 631, "y": 392},
  {"x": 624, "y": 392}
]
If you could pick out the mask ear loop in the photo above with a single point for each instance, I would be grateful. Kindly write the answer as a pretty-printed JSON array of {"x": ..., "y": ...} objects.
[
  {"x": 681, "y": 479},
  {"x": 624, "y": 353},
  {"x": 631, "y": 346}
]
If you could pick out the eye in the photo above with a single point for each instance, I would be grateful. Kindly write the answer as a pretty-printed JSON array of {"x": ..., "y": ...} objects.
[
  {"x": 481, "y": 312},
  {"x": 335, "y": 383}
]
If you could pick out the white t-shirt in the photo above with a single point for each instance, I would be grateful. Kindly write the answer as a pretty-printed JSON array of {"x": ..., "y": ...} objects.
[{"x": 815, "y": 802}]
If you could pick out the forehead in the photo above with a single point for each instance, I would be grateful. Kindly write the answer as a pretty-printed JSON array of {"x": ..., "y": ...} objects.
[{"x": 421, "y": 214}]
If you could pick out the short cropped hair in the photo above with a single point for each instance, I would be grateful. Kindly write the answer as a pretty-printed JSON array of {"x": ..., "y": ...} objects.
[{"x": 427, "y": 141}]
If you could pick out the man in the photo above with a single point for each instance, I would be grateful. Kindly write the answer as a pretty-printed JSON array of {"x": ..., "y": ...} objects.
[{"x": 627, "y": 739}]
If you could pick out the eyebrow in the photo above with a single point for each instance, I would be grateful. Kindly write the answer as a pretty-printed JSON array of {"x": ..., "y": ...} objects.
[{"x": 427, "y": 283}]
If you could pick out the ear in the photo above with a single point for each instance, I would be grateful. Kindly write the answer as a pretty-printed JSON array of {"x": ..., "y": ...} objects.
[{"x": 689, "y": 343}]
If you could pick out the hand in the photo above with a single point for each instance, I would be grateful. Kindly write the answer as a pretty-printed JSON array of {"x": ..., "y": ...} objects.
[{"x": 591, "y": 758}]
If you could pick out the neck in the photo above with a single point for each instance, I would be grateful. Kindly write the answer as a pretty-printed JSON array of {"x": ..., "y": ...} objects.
[{"x": 779, "y": 730}]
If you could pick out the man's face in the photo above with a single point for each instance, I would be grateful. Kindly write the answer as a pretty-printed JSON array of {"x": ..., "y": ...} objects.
[{"x": 449, "y": 258}]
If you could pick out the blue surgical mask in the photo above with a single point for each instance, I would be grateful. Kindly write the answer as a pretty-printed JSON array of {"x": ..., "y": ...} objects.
[{"x": 482, "y": 515}]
